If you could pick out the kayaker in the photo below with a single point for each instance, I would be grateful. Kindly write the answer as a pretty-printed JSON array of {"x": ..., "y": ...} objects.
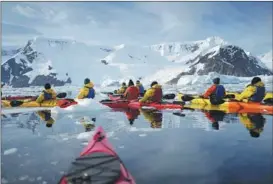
[
  {"x": 87, "y": 91},
  {"x": 140, "y": 88},
  {"x": 152, "y": 116},
  {"x": 122, "y": 89},
  {"x": 46, "y": 116},
  {"x": 253, "y": 122},
  {"x": 254, "y": 92},
  {"x": 131, "y": 92},
  {"x": 215, "y": 93},
  {"x": 154, "y": 94},
  {"x": 47, "y": 94}
]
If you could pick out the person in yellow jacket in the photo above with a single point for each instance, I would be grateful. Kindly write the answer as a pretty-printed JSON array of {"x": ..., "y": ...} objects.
[
  {"x": 254, "y": 92},
  {"x": 47, "y": 94},
  {"x": 87, "y": 91},
  {"x": 154, "y": 94},
  {"x": 46, "y": 116},
  {"x": 122, "y": 89},
  {"x": 253, "y": 122},
  {"x": 152, "y": 116}
]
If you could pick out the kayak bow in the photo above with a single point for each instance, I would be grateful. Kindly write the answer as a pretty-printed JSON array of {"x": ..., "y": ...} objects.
[{"x": 98, "y": 164}]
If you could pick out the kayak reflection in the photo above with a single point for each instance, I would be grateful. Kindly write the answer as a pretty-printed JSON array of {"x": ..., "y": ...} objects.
[
  {"x": 132, "y": 115},
  {"x": 153, "y": 116},
  {"x": 254, "y": 123},
  {"x": 45, "y": 115},
  {"x": 214, "y": 117},
  {"x": 89, "y": 124}
]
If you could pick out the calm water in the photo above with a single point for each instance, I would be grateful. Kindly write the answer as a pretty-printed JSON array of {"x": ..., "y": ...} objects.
[{"x": 156, "y": 147}]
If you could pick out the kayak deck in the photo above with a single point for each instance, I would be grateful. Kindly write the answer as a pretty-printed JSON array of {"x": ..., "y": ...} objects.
[{"x": 98, "y": 163}]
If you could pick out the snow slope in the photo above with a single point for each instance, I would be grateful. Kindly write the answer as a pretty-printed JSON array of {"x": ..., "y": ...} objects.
[
  {"x": 267, "y": 59},
  {"x": 181, "y": 52}
]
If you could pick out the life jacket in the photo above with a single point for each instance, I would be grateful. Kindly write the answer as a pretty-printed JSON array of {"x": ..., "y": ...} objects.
[
  {"x": 259, "y": 94},
  {"x": 220, "y": 92},
  {"x": 47, "y": 115},
  {"x": 47, "y": 96},
  {"x": 91, "y": 93},
  {"x": 140, "y": 88},
  {"x": 157, "y": 95},
  {"x": 132, "y": 93}
]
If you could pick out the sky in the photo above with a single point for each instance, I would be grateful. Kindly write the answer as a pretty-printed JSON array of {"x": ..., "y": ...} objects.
[{"x": 245, "y": 24}]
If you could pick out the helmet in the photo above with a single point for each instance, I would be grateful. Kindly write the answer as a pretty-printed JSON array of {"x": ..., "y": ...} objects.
[
  {"x": 47, "y": 86},
  {"x": 86, "y": 81},
  {"x": 255, "y": 80},
  {"x": 153, "y": 83},
  {"x": 216, "y": 80}
]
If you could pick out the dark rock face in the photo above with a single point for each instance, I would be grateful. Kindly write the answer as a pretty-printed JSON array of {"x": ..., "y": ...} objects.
[
  {"x": 14, "y": 71},
  {"x": 230, "y": 60}
]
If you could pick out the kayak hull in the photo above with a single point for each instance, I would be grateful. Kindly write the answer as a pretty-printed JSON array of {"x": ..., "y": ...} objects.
[
  {"x": 100, "y": 144},
  {"x": 117, "y": 104},
  {"x": 49, "y": 103},
  {"x": 235, "y": 107}
]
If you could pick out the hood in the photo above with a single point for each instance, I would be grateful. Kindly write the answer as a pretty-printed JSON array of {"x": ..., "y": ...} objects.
[
  {"x": 49, "y": 90},
  {"x": 259, "y": 84},
  {"x": 156, "y": 86},
  {"x": 89, "y": 85}
]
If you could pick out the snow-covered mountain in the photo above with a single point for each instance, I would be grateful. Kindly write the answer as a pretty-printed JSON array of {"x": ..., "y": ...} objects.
[
  {"x": 211, "y": 55},
  {"x": 61, "y": 61},
  {"x": 267, "y": 59}
]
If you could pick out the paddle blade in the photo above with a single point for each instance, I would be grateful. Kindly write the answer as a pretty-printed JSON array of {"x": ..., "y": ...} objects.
[
  {"x": 179, "y": 114},
  {"x": 61, "y": 95},
  {"x": 16, "y": 103},
  {"x": 169, "y": 96},
  {"x": 178, "y": 103}
]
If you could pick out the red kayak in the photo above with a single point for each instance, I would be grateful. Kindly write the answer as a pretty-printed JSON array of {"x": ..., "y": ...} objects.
[
  {"x": 159, "y": 106},
  {"x": 98, "y": 164},
  {"x": 114, "y": 97},
  {"x": 115, "y": 104}
]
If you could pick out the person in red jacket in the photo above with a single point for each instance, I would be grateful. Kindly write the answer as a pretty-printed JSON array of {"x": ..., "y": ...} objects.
[
  {"x": 215, "y": 93},
  {"x": 132, "y": 92}
]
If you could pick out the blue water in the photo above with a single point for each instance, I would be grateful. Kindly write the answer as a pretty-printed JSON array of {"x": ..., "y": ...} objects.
[{"x": 178, "y": 150}]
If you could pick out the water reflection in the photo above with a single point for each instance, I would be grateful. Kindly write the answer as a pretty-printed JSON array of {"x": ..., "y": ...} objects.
[
  {"x": 154, "y": 117},
  {"x": 254, "y": 123}
]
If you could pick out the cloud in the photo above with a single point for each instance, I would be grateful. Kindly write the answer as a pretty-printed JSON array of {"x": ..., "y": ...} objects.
[
  {"x": 25, "y": 11},
  {"x": 246, "y": 24},
  {"x": 11, "y": 29}
]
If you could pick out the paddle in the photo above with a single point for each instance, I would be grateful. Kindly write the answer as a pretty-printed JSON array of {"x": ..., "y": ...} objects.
[
  {"x": 60, "y": 95},
  {"x": 16, "y": 103},
  {"x": 187, "y": 97}
]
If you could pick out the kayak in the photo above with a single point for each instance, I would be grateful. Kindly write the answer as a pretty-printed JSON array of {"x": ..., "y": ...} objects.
[
  {"x": 159, "y": 106},
  {"x": 63, "y": 103},
  {"x": 225, "y": 109},
  {"x": 236, "y": 106},
  {"x": 231, "y": 94},
  {"x": 114, "y": 97},
  {"x": 115, "y": 104},
  {"x": 98, "y": 163}
]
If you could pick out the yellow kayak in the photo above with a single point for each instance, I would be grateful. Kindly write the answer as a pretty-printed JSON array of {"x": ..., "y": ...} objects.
[
  {"x": 28, "y": 103},
  {"x": 227, "y": 108},
  {"x": 267, "y": 96}
]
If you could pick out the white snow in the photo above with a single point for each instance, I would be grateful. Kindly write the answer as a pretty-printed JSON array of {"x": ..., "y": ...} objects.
[
  {"x": 10, "y": 151},
  {"x": 267, "y": 60},
  {"x": 83, "y": 105}
]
